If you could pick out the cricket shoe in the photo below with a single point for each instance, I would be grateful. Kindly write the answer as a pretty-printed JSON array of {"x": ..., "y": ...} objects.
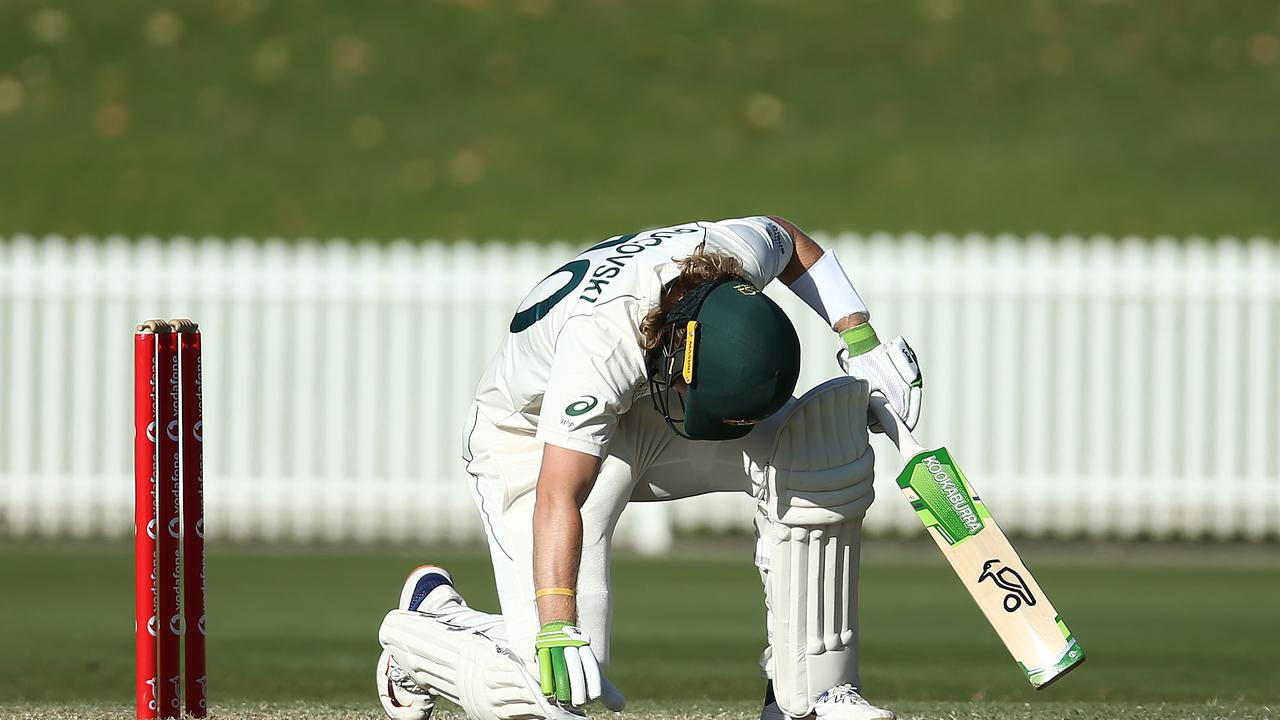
[
  {"x": 402, "y": 697},
  {"x": 842, "y": 702},
  {"x": 424, "y": 581}
]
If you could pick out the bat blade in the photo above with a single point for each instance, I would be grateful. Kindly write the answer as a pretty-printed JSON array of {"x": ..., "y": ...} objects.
[{"x": 989, "y": 567}]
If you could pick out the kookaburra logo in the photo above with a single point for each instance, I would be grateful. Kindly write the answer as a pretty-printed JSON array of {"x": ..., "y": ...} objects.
[{"x": 1008, "y": 579}]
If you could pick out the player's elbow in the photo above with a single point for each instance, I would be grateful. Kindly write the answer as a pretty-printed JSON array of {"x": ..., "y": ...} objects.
[{"x": 566, "y": 476}]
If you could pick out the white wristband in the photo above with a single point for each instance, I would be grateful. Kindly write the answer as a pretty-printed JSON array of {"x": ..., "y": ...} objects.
[{"x": 826, "y": 288}]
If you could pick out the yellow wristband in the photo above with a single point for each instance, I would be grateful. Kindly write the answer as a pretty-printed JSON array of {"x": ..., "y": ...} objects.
[{"x": 569, "y": 592}]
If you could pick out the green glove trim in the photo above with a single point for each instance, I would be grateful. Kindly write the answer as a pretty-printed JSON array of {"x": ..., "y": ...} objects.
[
  {"x": 553, "y": 671},
  {"x": 860, "y": 339},
  {"x": 561, "y": 669},
  {"x": 546, "y": 677},
  {"x": 554, "y": 625}
]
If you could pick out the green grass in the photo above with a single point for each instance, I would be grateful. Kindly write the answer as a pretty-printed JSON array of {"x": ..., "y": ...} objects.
[
  {"x": 578, "y": 119},
  {"x": 716, "y": 711},
  {"x": 1182, "y": 631}
]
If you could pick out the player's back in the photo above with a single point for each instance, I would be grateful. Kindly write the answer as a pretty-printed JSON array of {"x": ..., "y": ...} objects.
[{"x": 604, "y": 292}]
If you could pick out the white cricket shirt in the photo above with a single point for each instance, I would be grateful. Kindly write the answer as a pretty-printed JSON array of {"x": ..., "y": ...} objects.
[{"x": 572, "y": 363}]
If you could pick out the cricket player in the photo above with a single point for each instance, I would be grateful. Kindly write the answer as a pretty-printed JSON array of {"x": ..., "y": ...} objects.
[{"x": 651, "y": 367}]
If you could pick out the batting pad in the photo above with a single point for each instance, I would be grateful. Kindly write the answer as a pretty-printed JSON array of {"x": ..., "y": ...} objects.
[
  {"x": 461, "y": 663},
  {"x": 814, "y": 491}
]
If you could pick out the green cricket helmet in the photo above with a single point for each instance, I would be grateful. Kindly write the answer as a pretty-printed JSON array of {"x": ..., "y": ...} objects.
[{"x": 735, "y": 353}]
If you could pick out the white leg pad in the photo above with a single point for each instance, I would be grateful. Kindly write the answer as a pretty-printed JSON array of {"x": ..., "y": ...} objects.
[
  {"x": 814, "y": 490},
  {"x": 461, "y": 662}
]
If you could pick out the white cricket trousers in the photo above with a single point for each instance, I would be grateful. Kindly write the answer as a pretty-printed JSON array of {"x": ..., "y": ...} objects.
[{"x": 646, "y": 461}]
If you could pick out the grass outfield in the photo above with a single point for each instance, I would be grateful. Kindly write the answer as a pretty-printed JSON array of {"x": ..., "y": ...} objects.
[
  {"x": 578, "y": 119},
  {"x": 650, "y": 710},
  {"x": 1190, "y": 627}
]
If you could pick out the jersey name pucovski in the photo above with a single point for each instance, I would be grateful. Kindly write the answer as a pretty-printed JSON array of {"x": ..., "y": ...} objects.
[
  {"x": 624, "y": 248},
  {"x": 572, "y": 364}
]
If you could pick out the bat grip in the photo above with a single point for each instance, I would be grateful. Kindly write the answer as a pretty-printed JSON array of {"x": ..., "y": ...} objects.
[{"x": 894, "y": 428}]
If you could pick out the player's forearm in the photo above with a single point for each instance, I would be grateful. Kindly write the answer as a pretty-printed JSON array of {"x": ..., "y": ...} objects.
[
  {"x": 557, "y": 552},
  {"x": 796, "y": 275},
  {"x": 852, "y": 320},
  {"x": 564, "y": 482}
]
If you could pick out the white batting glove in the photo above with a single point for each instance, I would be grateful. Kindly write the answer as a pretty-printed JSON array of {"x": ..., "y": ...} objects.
[{"x": 889, "y": 368}]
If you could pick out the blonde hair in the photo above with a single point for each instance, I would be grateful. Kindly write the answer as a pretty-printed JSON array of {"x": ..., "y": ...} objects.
[{"x": 698, "y": 268}]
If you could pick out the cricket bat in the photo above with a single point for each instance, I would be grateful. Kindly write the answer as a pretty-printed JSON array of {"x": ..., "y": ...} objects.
[{"x": 981, "y": 555}]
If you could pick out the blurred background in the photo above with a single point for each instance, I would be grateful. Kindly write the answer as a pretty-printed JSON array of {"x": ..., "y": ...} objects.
[
  {"x": 548, "y": 119},
  {"x": 1069, "y": 208}
]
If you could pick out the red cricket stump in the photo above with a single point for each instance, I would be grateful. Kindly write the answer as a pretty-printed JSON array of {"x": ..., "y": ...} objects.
[
  {"x": 144, "y": 540},
  {"x": 169, "y": 520},
  {"x": 193, "y": 602},
  {"x": 169, "y": 535}
]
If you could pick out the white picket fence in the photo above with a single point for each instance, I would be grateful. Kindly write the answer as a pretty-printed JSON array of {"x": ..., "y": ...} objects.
[{"x": 1093, "y": 387}]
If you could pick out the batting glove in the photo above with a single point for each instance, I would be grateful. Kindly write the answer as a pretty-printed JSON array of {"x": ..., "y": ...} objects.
[
  {"x": 889, "y": 368},
  {"x": 567, "y": 667}
]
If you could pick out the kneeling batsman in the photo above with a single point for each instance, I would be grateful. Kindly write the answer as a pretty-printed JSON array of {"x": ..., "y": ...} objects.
[
  {"x": 813, "y": 486},
  {"x": 807, "y": 464}
]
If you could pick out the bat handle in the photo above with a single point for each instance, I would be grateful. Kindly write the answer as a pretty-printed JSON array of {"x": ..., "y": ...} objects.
[{"x": 894, "y": 428}]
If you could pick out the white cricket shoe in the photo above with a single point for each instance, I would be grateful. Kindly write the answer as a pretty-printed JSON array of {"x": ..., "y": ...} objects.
[
  {"x": 842, "y": 702},
  {"x": 402, "y": 697},
  {"x": 423, "y": 581}
]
